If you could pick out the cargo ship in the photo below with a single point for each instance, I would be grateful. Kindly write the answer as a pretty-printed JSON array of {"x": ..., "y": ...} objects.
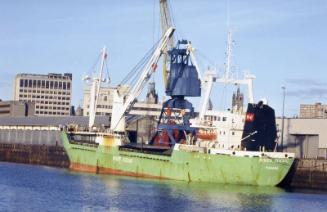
[{"x": 174, "y": 152}]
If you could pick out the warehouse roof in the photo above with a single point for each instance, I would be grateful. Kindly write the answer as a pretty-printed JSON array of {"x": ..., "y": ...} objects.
[{"x": 52, "y": 121}]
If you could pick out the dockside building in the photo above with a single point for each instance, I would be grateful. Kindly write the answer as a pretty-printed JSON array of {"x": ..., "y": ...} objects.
[
  {"x": 16, "y": 108},
  {"x": 149, "y": 107},
  {"x": 316, "y": 111},
  {"x": 51, "y": 93}
]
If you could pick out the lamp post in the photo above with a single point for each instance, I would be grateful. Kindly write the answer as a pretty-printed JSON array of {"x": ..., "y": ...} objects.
[{"x": 283, "y": 117}]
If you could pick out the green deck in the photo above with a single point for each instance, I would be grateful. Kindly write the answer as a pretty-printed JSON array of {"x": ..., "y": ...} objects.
[{"x": 181, "y": 165}]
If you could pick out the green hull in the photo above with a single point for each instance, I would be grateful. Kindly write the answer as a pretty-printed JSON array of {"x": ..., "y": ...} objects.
[{"x": 180, "y": 165}]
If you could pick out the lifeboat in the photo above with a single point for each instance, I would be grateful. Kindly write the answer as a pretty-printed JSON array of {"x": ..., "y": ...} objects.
[{"x": 208, "y": 135}]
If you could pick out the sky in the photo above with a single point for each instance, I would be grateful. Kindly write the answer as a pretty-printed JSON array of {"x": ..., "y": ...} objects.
[{"x": 283, "y": 43}]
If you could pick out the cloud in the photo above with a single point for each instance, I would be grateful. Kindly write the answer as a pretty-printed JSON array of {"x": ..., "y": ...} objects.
[
  {"x": 306, "y": 82},
  {"x": 308, "y": 93},
  {"x": 306, "y": 88}
]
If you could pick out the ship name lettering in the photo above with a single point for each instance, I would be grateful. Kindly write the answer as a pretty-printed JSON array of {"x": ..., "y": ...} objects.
[
  {"x": 272, "y": 167},
  {"x": 122, "y": 159},
  {"x": 265, "y": 160}
]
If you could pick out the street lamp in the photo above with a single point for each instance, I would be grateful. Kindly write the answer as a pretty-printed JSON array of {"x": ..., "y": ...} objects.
[{"x": 282, "y": 140}]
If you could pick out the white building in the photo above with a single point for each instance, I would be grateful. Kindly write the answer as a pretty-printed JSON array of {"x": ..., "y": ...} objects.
[{"x": 149, "y": 107}]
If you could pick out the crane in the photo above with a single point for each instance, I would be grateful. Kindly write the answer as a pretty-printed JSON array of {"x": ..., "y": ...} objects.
[
  {"x": 95, "y": 89},
  {"x": 122, "y": 104},
  {"x": 166, "y": 23}
]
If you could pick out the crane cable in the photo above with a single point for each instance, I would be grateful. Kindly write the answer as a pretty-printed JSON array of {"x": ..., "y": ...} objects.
[{"x": 133, "y": 75}]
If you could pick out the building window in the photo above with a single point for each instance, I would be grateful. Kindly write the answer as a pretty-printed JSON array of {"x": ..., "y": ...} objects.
[
  {"x": 39, "y": 83},
  {"x": 26, "y": 83},
  {"x": 30, "y": 83},
  {"x": 68, "y": 85},
  {"x": 21, "y": 83},
  {"x": 51, "y": 84},
  {"x": 64, "y": 85},
  {"x": 47, "y": 84}
]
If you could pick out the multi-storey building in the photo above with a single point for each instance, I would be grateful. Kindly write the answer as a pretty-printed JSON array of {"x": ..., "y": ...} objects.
[
  {"x": 313, "y": 111},
  {"x": 104, "y": 104},
  {"x": 51, "y": 93}
]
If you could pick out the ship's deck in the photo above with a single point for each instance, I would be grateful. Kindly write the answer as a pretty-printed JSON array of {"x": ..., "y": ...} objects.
[{"x": 147, "y": 149}]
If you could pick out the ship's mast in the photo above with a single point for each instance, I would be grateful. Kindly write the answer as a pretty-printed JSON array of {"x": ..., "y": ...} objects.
[
  {"x": 210, "y": 77},
  {"x": 228, "y": 78},
  {"x": 228, "y": 56},
  {"x": 95, "y": 89}
]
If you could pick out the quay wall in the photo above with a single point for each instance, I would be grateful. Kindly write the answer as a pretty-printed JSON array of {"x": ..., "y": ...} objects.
[
  {"x": 38, "y": 145},
  {"x": 34, "y": 154},
  {"x": 308, "y": 173}
]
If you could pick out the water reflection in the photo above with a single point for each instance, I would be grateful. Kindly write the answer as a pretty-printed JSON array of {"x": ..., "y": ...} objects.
[{"x": 176, "y": 195}]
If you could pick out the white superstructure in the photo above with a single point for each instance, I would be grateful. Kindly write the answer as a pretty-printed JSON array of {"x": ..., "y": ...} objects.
[{"x": 227, "y": 126}]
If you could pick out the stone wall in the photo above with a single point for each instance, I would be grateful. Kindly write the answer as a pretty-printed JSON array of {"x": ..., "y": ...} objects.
[{"x": 307, "y": 173}]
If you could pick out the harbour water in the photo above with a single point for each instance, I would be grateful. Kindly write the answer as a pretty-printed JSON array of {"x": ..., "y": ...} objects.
[{"x": 39, "y": 188}]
